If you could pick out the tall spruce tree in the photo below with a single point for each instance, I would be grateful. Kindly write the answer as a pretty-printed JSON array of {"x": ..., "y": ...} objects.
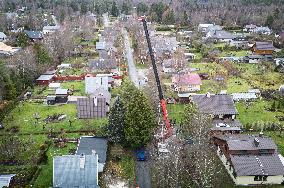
[
  {"x": 116, "y": 122},
  {"x": 139, "y": 119}
]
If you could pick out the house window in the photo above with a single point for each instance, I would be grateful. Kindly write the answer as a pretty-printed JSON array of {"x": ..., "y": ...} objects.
[
  {"x": 264, "y": 151},
  {"x": 264, "y": 178},
  {"x": 257, "y": 178}
]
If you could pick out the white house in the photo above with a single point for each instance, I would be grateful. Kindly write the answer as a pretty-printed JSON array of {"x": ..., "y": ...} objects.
[
  {"x": 2, "y": 36},
  {"x": 50, "y": 29},
  {"x": 93, "y": 83},
  {"x": 203, "y": 27}
]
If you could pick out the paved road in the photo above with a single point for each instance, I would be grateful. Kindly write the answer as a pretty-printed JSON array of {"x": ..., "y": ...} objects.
[
  {"x": 143, "y": 174},
  {"x": 129, "y": 56},
  {"x": 105, "y": 20}
]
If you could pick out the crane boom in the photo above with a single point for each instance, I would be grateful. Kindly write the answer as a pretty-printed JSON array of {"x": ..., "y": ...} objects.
[{"x": 161, "y": 96}]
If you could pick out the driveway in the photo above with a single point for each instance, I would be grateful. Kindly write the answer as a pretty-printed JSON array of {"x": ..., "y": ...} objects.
[{"x": 143, "y": 174}]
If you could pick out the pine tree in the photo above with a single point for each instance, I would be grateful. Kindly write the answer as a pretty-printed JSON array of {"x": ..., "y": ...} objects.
[
  {"x": 139, "y": 120},
  {"x": 116, "y": 122},
  {"x": 114, "y": 9}
]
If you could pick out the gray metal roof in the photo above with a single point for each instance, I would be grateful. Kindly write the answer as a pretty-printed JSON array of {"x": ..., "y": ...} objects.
[
  {"x": 220, "y": 35},
  {"x": 102, "y": 93},
  {"x": 215, "y": 104},
  {"x": 45, "y": 77},
  {"x": 102, "y": 64},
  {"x": 89, "y": 143},
  {"x": 5, "y": 179},
  {"x": 70, "y": 171},
  {"x": 264, "y": 46},
  {"x": 246, "y": 142},
  {"x": 34, "y": 34},
  {"x": 251, "y": 165}
]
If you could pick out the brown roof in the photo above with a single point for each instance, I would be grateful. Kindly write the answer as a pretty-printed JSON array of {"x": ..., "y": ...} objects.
[
  {"x": 87, "y": 108},
  {"x": 250, "y": 165}
]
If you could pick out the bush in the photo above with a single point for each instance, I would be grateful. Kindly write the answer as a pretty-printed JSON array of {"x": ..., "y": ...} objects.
[
  {"x": 163, "y": 28},
  {"x": 23, "y": 177}
]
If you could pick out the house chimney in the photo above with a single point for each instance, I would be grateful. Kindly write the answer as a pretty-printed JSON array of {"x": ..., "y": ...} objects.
[
  {"x": 96, "y": 101},
  {"x": 208, "y": 95},
  {"x": 94, "y": 152},
  {"x": 82, "y": 161},
  {"x": 256, "y": 142}
]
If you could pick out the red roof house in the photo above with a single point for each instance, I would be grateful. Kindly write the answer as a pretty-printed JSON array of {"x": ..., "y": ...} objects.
[{"x": 186, "y": 82}]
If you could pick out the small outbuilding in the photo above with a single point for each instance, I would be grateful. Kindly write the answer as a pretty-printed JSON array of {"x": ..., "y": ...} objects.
[{"x": 45, "y": 80}]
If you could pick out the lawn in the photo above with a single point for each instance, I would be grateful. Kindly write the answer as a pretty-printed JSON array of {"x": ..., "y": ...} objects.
[
  {"x": 176, "y": 112},
  {"x": 23, "y": 118},
  {"x": 79, "y": 87},
  {"x": 236, "y": 85},
  {"x": 75, "y": 60},
  {"x": 239, "y": 53},
  {"x": 45, "y": 176},
  {"x": 256, "y": 111}
]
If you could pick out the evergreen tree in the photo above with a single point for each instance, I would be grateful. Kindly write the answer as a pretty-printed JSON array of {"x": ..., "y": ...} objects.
[
  {"x": 142, "y": 8},
  {"x": 269, "y": 20},
  {"x": 116, "y": 122},
  {"x": 125, "y": 9},
  {"x": 22, "y": 40},
  {"x": 42, "y": 56},
  {"x": 114, "y": 9},
  {"x": 139, "y": 117}
]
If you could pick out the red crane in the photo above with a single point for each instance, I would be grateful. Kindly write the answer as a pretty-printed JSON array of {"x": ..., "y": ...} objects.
[{"x": 163, "y": 104}]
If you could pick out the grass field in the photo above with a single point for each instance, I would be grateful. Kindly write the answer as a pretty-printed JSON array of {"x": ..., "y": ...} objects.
[
  {"x": 23, "y": 117},
  {"x": 256, "y": 111},
  {"x": 79, "y": 87},
  {"x": 239, "y": 53},
  {"x": 45, "y": 177}
]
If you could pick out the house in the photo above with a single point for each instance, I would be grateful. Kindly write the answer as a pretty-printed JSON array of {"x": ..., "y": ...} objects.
[
  {"x": 54, "y": 86},
  {"x": 102, "y": 93},
  {"x": 92, "y": 83},
  {"x": 89, "y": 144},
  {"x": 250, "y": 160},
  {"x": 64, "y": 66},
  {"x": 186, "y": 82},
  {"x": 45, "y": 80},
  {"x": 61, "y": 95},
  {"x": 244, "y": 96},
  {"x": 226, "y": 126},
  {"x": 262, "y": 30},
  {"x": 6, "y": 50},
  {"x": 75, "y": 171},
  {"x": 189, "y": 56},
  {"x": 2, "y": 36},
  {"x": 257, "y": 92},
  {"x": 89, "y": 108},
  {"x": 220, "y": 36},
  {"x": 168, "y": 66},
  {"x": 203, "y": 27},
  {"x": 100, "y": 45},
  {"x": 254, "y": 59},
  {"x": 184, "y": 98},
  {"x": 263, "y": 48},
  {"x": 34, "y": 35},
  {"x": 50, "y": 29},
  {"x": 213, "y": 28},
  {"x": 5, "y": 179},
  {"x": 103, "y": 65},
  {"x": 218, "y": 106},
  {"x": 250, "y": 28}
]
